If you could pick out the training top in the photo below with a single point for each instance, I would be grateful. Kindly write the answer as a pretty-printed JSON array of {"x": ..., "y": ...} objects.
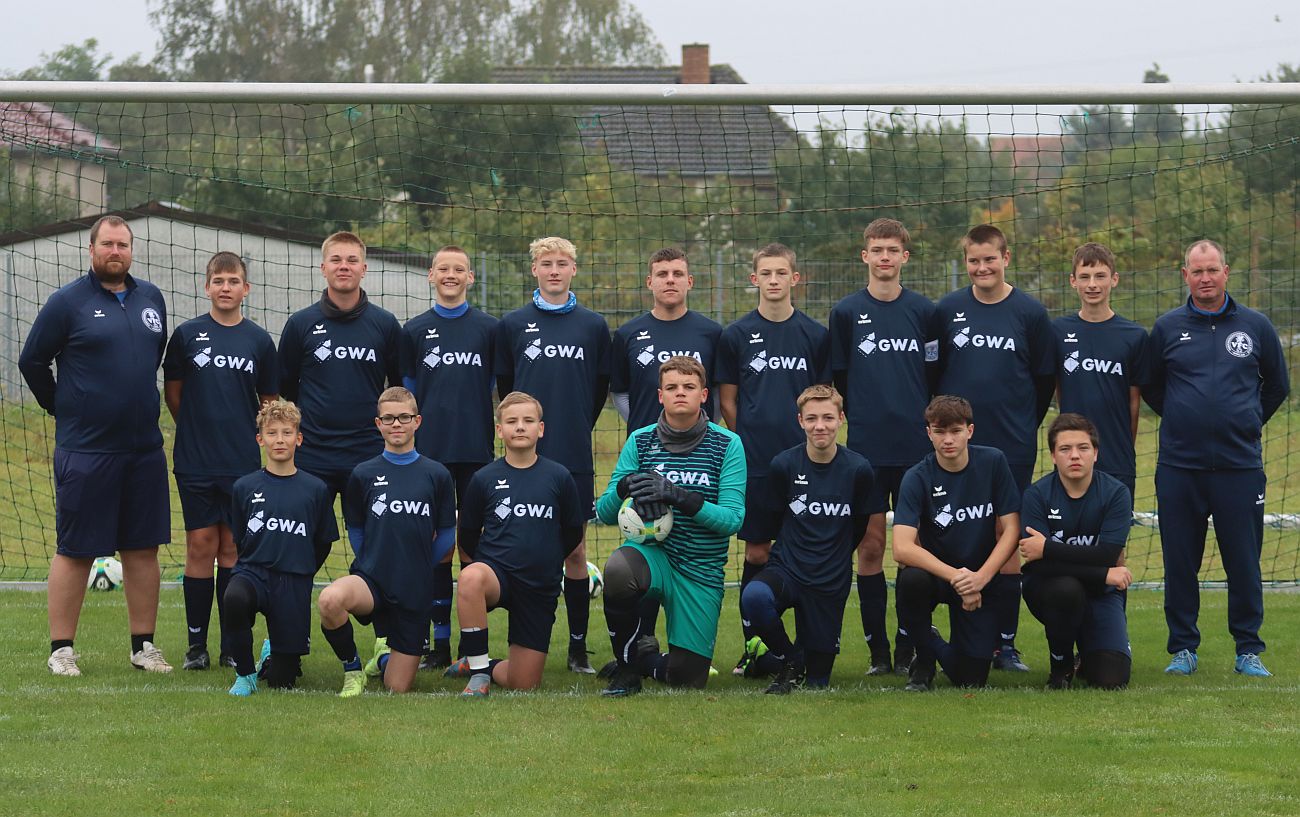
[
  {"x": 956, "y": 514},
  {"x": 400, "y": 508},
  {"x": 1090, "y": 531},
  {"x": 771, "y": 364},
  {"x": 562, "y": 359},
  {"x": 283, "y": 523},
  {"x": 522, "y": 513},
  {"x": 881, "y": 349},
  {"x": 451, "y": 361},
  {"x": 224, "y": 370},
  {"x": 990, "y": 355},
  {"x": 1097, "y": 365},
  {"x": 1215, "y": 381},
  {"x": 105, "y": 399},
  {"x": 335, "y": 371},
  {"x": 698, "y": 545},
  {"x": 643, "y": 343},
  {"x": 818, "y": 503}
]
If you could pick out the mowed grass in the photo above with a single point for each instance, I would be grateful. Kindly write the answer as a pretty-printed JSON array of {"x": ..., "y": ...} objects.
[{"x": 118, "y": 740}]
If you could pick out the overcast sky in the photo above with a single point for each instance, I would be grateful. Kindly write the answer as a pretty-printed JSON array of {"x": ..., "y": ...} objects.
[{"x": 818, "y": 41}]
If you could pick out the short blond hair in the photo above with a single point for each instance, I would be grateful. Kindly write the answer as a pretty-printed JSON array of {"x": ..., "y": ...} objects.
[
  {"x": 343, "y": 237},
  {"x": 552, "y": 243},
  {"x": 397, "y": 394},
  {"x": 820, "y": 392},
  {"x": 514, "y": 398},
  {"x": 279, "y": 411}
]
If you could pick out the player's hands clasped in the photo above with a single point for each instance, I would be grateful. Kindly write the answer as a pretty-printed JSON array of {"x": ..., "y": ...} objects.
[{"x": 967, "y": 582}]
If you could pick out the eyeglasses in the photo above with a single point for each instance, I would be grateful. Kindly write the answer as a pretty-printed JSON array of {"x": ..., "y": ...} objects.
[{"x": 389, "y": 419}]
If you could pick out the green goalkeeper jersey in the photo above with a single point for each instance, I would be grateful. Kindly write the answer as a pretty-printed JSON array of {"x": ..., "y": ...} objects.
[{"x": 698, "y": 545}]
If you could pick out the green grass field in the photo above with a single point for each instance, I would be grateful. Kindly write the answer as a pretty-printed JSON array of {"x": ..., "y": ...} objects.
[{"x": 117, "y": 740}]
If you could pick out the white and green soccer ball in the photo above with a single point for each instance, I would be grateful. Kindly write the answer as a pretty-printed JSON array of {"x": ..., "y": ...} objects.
[
  {"x": 595, "y": 581},
  {"x": 105, "y": 574},
  {"x": 643, "y": 531}
]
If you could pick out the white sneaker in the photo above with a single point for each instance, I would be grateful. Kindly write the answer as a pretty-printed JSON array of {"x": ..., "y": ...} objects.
[
  {"x": 63, "y": 661},
  {"x": 150, "y": 658}
]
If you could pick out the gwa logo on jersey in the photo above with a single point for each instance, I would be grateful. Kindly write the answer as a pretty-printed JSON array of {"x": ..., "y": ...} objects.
[
  {"x": 327, "y": 350},
  {"x": 504, "y": 510},
  {"x": 800, "y": 506},
  {"x": 1073, "y": 362},
  {"x": 412, "y": 507},
  {"x": 648, "y": 355},
  {"x": 205, "y": 356},
  {"x": 870, "y": 345},
  {"x": 535, "y": 349},
  {"x": 946, "y": 516},
  {"x": 258, "y": 521},
  {"x": 1074, "y": 541},
  {"x": 700, "y": 478},
  {"x": 965, "y": 337},
  {"x": 436, "y": 357},
  {"x": 762, "y": 361}
]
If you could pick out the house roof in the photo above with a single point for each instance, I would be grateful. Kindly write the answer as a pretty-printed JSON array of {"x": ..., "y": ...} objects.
[
  {"x": 740, "y": 141},
  {"x": 35, "y": 126},
  {"x": 178, "y": 213}
]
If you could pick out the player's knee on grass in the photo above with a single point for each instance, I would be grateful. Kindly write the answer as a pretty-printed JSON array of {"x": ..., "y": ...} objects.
[
  {"x": 1106, "y": 669},
  {"x": 627, "y": 577},
  {"x": 970, "y": 672},
  {"x": 687, "y": 669},
  {"x": 284, "y": 670}
]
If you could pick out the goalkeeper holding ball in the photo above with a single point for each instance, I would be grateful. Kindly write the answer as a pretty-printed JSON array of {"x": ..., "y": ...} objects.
[{"x": 697, "y": 468}]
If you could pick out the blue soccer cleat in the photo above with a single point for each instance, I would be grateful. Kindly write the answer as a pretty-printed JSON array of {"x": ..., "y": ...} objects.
[
  {"x": 1249, "y": 664},
  {"x": 244, "y": 685},
  {"x": 1184, "y": 663}
]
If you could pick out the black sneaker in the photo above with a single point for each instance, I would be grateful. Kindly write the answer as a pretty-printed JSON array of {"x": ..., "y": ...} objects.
[
  {"x": 790, "y": 678},
  {"x": 197, "y": 658},
  {"x": 437, "y": 658},
  {"x": 578, "y": 661},
  {"x": 606, "y": 672},
  {"x": 903, "y": 656},
  {"x": 1008, "y": 659},
  {"x": 919, "y": 684},
  {"x": 226, "y": 660},
  {"x": 625, "y": 681},
  {"x": 1060, "y": 681},
  {"x": 880, "y": 664}
]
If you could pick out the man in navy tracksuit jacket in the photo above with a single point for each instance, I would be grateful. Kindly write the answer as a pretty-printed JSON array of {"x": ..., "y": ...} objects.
[
  {"x": 1218, "y": 374},
  {"x": 105, "y": 332}
]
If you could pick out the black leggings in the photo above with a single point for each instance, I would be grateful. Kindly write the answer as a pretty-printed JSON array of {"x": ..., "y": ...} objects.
[
  {"x": 627, "y": 580},
  {"x": 282, "y": 670}
]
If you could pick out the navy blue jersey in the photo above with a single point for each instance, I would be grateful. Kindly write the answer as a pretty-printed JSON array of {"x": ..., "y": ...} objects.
[
  {"x": 223, "y": 370},
  {"x": 1097, "y": 366},
  {"x": 990, "y": 354},
  {"x": 521, "y": 512},
  {"x": 643, "y": 343},
  {"x": 335, "y": 371},
  {"x": 956, "y": 514},
  {"x": 450, "y": 360},
  {"x": 281, "y": 523},
  {"x": 818, "y": 502},
  {"x": 400, "y": 508},
  {"x": 105, "y": 399},
  {"x": 771, "y": 364},
  {"x": 882, "y": 349},
  {"x": 562, "y": 359},
  {"x": 1090, "y": 530},
  {"x": 1215, "y": 381}
]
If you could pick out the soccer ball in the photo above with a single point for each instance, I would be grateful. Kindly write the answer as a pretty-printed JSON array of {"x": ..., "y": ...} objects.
[
  {"x": 643, "y": 531},
  {"x": 595, "y": 581},
  {"x": 105, "y": 574}
]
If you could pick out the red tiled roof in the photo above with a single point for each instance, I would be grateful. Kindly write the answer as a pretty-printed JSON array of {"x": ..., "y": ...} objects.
[{"x": 37, "y": 126}]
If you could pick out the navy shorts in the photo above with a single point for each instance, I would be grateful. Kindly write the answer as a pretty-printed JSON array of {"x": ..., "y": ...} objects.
[
  {"x": 284, "y": 600},
  {"x": 336, "y": 480},
  {"x": 1105, "y": 624},
  {"x": 884, "y": 491},
  {"x": 104, "y": 503},
  {"x": 586, "y": 493},
  {"x": 532, "y": 612},
  {"x": 818, "y": 615},
  {"x": 205, "y": 501},
  {"x": 757, "y": 526},
  {"x": 461, "y": 472},
  {"x": 407, "y": 631},
  {"x": 973, "y": 633}
]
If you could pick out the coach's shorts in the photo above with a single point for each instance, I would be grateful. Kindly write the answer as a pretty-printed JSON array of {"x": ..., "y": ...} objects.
[
  {"x": 205, "y": 501},
  {"x": 461, "y": 472},
  {"x": 104, "y": 503},
  {"x": 690, "y": 606},
  {"x": 818, "y": 615},
  {"x": 757, "y": 525},
  {"x": 407, "y": 631},
  {"x": 586, "y": 493},
  {"x": 532, "y": 611},
  {"x": 284, "y": 600},
  {"x": 335, "y": 479},
  {"x": 884, "y": 491}
]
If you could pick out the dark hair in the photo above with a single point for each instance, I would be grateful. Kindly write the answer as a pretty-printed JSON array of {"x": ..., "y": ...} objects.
[
  {"x": 775, "y": 250},
  {"x": 886, "y": 228},
  {"x": 683, "y": 364},
  {"x": 949, "y": 410},
  {"x": 984, "y": 234},
  {"x": 226, "y": 261},
  {"x": 666, "y": 254},
  {"x": 1093, "y": 254},
  {"x": 1071, "y": 422},
  {"x": 111, "y": 221}
]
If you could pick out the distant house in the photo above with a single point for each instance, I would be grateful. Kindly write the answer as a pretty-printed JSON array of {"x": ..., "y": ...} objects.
[
  {"x": 738, "y": 143},
  {"x": 50, "y": 151}
]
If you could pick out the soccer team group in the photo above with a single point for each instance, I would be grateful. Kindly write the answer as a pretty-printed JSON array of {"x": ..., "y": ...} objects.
[{"x": 943, "y": 404}]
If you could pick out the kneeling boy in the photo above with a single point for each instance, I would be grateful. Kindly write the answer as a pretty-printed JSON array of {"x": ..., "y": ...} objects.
[
  {"x": 400, "y": 508},
  {"x": 283, "y": 526},
  {"x": 956, "y": 524}
]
